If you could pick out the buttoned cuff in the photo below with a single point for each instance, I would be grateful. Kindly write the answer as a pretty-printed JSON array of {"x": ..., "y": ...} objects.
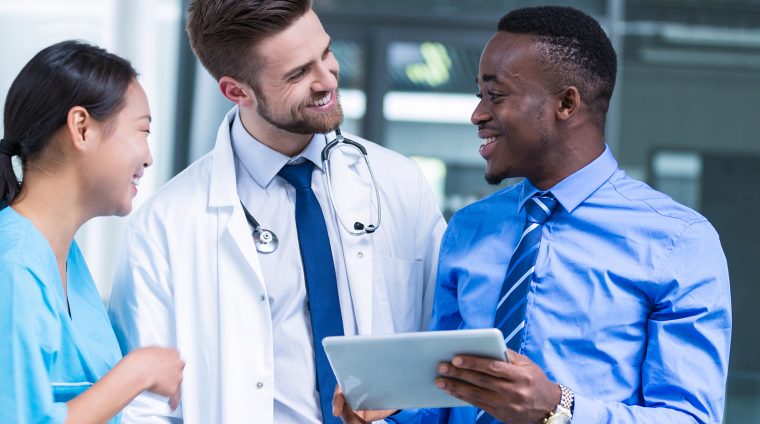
[{"x": 586, "y": 410}]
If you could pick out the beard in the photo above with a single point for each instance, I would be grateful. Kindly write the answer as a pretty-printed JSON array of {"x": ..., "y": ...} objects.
[
  {"x": 496, "y": 178},
  {"x": 300, "y": 121}
]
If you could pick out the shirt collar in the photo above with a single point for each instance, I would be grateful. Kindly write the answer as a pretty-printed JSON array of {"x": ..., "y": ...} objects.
[
  {"x": 263, "y": 163},
  {"x": 577, "y": 187}
]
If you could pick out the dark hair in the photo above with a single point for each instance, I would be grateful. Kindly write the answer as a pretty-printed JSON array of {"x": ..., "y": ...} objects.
[
  {"x": 59, "y": 77},
  {"x": 574, "y": 50},
  {"x": 224, "y": 33}
]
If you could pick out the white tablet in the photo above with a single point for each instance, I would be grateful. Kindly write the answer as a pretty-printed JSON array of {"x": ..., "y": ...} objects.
[{"x": 398, "y": 371}]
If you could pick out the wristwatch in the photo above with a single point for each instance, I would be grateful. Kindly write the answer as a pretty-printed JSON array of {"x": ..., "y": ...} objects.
[{"x": 562, "y": 414}]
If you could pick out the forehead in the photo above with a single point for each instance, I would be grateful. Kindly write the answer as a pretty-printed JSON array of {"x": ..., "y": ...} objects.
[
  {"x": 508, "y": 55},
  {"x": 135, "y": 99},
  {"x": 296, "y": 45}
]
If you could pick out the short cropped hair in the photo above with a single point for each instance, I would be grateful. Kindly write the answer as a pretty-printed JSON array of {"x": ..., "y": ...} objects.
[
  {"x": 573, "y": 49},
  {"x": 224, "y": 33}
]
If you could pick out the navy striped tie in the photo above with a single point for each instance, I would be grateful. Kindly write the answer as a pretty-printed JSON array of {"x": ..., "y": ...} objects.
[
  {"x": 321, "y": 283},
  {"x": 510, "y": 311}
]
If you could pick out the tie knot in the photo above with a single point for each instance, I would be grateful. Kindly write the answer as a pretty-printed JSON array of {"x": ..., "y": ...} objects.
[
  {"x": 540, "y": 207},
  {"x": 299, "y": 176}
]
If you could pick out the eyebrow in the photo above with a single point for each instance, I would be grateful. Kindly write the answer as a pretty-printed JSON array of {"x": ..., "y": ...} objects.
[
  {"x": 309, "y": 63},
  {"x": 145, "y": 117},
  {"x": 488, "y": 78}
]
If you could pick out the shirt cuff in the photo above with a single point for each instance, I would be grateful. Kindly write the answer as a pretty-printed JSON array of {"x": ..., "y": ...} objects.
[{"x": 586, "y": 410}]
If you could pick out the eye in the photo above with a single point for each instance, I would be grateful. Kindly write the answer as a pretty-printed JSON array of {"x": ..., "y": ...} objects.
[
  {"x": 298, "y": 75},
  {"x": 327, "y": 53},
  {"x": 494, "y": 96},
  {"x": 479, "y": 95}
]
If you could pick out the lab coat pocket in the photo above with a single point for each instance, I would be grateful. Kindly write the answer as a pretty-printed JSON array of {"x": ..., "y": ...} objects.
[
  {"x": 398, "y": 290},
  {"x": 64, "y": 392}
]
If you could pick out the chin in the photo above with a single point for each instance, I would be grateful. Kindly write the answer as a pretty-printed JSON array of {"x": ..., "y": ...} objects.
[
  {"x": 495, "y": 178},
  {"x": 123, "y": 210}
]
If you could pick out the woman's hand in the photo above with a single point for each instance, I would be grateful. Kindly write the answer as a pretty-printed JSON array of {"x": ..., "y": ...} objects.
[
  {"x": 161, "y": 370},
  {"x": 154, "y": 369}
]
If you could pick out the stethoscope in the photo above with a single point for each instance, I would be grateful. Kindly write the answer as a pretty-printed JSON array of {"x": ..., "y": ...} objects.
[{"x": 266, "y": 241}]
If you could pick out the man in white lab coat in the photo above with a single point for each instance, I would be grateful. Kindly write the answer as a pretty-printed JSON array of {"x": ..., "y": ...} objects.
[{"x": 190, "y": 275}]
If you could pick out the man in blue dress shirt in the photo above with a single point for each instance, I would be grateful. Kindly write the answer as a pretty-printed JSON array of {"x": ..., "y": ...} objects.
[{"x": 627, "y": 315}]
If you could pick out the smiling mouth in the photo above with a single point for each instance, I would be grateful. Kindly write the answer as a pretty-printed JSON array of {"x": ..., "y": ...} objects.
[
  {"x": 135, "y": 181},
  {"x": 323, "y": 101},
  {"x": 487, "y": 141}
]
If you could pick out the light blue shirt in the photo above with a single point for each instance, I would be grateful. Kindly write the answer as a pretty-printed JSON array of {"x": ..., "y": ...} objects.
[
  {"x": 629, "y": 306},
  {"x": 46, "y": 356}
]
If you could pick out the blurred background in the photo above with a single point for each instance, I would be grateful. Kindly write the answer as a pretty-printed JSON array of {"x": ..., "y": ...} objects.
[{"x": 683, "y": 118}]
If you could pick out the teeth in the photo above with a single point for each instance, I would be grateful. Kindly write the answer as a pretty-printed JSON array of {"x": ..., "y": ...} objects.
[
  {"x": 489, "y": 140},
  {"x": 323, "y": 101},
  {"x": 135, "y": 181}
]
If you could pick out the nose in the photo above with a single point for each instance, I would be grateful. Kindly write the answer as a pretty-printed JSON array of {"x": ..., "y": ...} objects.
[
  {"x": 327, "y": 75},
  {"x": 480, "y": 115},
  {"x": 149, "y": 160}
]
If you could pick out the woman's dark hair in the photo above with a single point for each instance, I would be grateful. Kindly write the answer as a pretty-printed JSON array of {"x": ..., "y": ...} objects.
[{"x": 59, "y": 77}]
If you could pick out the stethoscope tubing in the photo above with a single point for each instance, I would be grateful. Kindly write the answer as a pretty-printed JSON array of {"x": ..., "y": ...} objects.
[
  {"x": 358, "y": 228},
  {"x": 266, "y": 241}
]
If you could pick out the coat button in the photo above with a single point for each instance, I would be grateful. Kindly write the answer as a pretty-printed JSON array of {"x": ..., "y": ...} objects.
[
  {"x": 360, "y": 255},
  {"x": 263, "y": 298},
  {"x": 259, "y": 385}
]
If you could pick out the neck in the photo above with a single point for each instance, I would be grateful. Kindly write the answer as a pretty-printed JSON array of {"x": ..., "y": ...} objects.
[
  {"x": 51, "y": 204},
  {"x": 282, "y": 141},
  {"x": 572, "y": 157}
]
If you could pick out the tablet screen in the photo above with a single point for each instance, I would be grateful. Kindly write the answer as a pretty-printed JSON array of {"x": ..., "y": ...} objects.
[{"x": 398, "y": 371}]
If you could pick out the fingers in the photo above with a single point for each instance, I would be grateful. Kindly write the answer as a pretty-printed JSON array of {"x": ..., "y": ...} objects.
[
  {"x": 174, "y": 400},
  {"x": 342, "y": 409},
  {"x": 338, "y": 402},
  {"x": 492, "y": 367},
  {"x": 474, "y": 395}
]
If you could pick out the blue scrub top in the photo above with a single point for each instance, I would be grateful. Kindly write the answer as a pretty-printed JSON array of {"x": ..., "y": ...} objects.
[{"x": 46, "y": 356}]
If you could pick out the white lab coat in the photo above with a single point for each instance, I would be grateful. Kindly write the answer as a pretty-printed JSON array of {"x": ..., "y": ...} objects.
[{"x": 189, "y": 276}]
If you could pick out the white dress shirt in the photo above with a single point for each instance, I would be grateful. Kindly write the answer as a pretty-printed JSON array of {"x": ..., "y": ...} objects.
[{"x": 271, "y": 201}]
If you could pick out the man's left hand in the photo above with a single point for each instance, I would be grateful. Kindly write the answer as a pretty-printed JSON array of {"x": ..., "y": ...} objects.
[{"x": 517, "y": 391}]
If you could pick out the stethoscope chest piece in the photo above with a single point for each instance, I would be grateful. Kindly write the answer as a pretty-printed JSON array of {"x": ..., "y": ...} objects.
[{"x": 265, "y": 240}]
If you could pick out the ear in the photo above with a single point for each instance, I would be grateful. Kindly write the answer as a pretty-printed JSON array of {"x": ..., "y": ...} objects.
[
  {"x": 569, "y": 103},
  {"x": 237, "y": 92},
  {"x": 79, "y": 127}
]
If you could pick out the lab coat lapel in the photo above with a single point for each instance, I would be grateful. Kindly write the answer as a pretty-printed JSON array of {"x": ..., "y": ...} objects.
[
  {"x": 223, "y": 195},
  {"x": 351, "y": 190}
]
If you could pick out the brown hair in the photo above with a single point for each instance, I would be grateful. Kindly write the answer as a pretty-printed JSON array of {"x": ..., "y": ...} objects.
[{"x": 225, "y": 33}]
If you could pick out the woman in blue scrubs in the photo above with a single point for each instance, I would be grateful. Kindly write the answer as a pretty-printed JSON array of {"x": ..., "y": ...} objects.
[{"x": 77, "y": 120}]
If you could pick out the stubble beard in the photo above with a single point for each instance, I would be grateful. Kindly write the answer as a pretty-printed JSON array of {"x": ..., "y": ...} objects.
[{"x": 300, "y": 122}]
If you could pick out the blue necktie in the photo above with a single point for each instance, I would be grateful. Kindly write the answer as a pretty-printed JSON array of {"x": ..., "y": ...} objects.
[
  {"x": 319, "y": 271},
  {"x": 510, "y": 311}
]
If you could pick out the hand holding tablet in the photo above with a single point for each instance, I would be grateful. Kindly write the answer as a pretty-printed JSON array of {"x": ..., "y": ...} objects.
[{"x": 398, "y": 371}]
